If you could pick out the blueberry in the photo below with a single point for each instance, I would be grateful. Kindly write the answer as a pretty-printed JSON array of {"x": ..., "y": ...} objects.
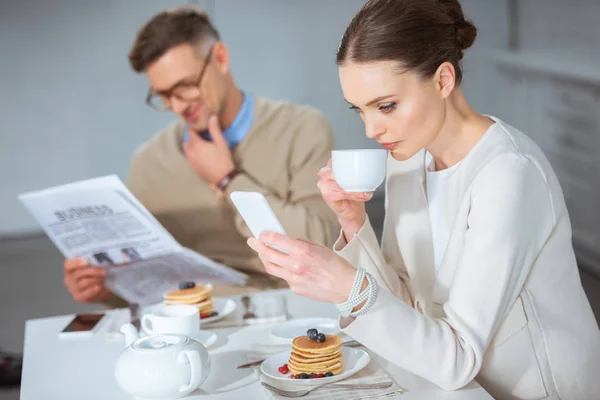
[
  {"x": 303, "y": 376},
  {"x": 312, "y": 334},
  {"x": 327, "y": 375},
  {"x": 186, "y": 285},
  {"x": 321, "y": 337},
  {"x": 312, "y": 375},
  {"x": 214, "y": 314}
]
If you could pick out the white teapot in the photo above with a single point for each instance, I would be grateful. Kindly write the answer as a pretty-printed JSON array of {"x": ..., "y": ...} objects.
[{"x": 162, "y": 366}]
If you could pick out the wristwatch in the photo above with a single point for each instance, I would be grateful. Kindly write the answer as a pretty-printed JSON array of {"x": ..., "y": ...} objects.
[{"x": 220, "y": 187}]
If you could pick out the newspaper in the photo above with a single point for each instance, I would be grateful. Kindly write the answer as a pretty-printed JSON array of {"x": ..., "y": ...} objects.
[{"x": 100, "y": 219}]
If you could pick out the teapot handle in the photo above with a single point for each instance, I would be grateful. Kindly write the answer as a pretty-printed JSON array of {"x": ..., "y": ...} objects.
[{"x": 193, "y": 357}]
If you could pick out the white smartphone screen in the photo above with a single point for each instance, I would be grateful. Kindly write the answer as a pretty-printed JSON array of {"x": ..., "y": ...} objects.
[{"x": 257, "y": 213}]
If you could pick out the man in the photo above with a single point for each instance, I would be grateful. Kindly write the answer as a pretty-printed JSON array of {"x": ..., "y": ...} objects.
[{"x": 225, "y": 141}]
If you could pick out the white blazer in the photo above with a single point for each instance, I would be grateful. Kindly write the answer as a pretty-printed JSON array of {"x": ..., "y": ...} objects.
[{"x": 507, "y": 307}]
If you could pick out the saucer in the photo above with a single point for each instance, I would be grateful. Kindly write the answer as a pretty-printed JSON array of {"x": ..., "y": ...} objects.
[{"x": 207, "y": 338}]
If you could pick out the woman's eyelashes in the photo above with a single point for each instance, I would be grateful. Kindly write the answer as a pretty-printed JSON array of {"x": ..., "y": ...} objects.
[
  {"x": 387, "y": 107},
  {"x": 384, "y": 108},
  {"x": 355, "y": 109}
]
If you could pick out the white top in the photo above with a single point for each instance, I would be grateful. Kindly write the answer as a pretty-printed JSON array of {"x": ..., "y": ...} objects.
[
  {"x": 506, "y": 307},
  {"x": 439, "y": 186}
]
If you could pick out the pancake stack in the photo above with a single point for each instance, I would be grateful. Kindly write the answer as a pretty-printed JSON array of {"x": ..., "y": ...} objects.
[
  {"x": 194, "y": 295},
  {"x": 316, "y": 358}
]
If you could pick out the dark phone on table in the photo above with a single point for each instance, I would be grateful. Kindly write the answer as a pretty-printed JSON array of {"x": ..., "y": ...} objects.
[{"x": 83, "y": 323}]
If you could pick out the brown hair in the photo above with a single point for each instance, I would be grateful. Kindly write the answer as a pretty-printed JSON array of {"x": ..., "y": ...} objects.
[
  {"x": 169, "y": 29},
  {"x": 420, "y": 34}
]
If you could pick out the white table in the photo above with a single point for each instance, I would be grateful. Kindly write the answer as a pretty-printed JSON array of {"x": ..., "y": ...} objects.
[{"x": 83, "y": 369}]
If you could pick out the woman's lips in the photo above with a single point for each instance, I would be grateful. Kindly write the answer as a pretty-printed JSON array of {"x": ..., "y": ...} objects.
[{"x": 390, "y": 146}]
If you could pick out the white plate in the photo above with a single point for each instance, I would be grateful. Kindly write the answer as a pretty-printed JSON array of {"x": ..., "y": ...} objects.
[
  {"x": 353, "y": 359},
  {"x": 287, "y": 331},
  {"x": 223, "y": 305},
  {"x": 207, "y": 338}
]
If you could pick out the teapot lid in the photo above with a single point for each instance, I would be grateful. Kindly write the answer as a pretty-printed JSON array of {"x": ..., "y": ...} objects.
[{"x": 159, "y": 342}]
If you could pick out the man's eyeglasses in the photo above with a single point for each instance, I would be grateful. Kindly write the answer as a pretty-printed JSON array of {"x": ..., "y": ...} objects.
[{"x": 185, "y": 91}]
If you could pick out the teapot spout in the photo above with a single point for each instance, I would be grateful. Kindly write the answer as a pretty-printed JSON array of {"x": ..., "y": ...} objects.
[{"x": 131, "y": 334}]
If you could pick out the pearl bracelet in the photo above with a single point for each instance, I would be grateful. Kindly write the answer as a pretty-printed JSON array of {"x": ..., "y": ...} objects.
[
  {"x": 372, "y": 289},
  {"x": 357, "y": 297}
]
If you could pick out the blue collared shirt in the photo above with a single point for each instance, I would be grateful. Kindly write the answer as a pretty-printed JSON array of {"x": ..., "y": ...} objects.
[{"x": 238, "y": 129}]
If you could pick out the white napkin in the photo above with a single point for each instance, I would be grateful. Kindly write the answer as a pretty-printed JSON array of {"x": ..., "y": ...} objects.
[{"x": 372, "y": 373}]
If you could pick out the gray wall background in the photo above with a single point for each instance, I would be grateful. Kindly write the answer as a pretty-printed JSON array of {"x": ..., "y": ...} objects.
[{"x": 70, "y": 107}]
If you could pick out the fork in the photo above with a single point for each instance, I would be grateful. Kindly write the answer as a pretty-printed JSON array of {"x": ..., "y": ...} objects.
[{"x": 304, "y": 392}]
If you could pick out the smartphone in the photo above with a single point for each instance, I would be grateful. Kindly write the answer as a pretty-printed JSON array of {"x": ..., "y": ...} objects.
[
  {"x": 257, "y": 213},
  {"x": 83, "y": 325}
]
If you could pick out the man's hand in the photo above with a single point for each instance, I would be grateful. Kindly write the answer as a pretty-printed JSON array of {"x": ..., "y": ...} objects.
[
  {"x": 212, "y": 161},
  {"x": 85, "y": 282}
]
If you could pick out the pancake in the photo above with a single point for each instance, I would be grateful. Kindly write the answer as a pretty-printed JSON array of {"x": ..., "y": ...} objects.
[
  {"x": 299, "y": 359},
  {"x": 310, "y": 356},
  {"x": 315, "y": 357},
  {"x": 191, "y": 300},
  {"x": 335, "y": 370},
  {"x": 207, "y": 302},
  {"x": 315, "y": 366},
  {"x": 303, "y": 345},
  {"x": 186, "y": 298},
  {"x": 336, "y": 349},
  {"x": 205, "y": 307},
  {"x": 312, "y": 369},
  {"x": 204, "y": 302},
  {"x": 198, "y": 296},
  {"x": 194, "y": 294}
]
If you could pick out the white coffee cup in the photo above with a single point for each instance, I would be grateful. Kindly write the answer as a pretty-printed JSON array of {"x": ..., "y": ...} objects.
[
  {"x": 359, "y": 170},
  {"x": 182, "y": 319}
]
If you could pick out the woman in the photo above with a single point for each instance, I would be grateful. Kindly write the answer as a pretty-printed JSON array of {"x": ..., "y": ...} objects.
[{"x": 476, "y": 277}]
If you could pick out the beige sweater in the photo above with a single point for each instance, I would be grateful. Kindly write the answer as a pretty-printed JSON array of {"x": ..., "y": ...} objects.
[{"x": 281, "y": 155}]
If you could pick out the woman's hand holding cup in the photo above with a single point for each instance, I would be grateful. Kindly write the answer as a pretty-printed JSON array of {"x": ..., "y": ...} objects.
[
  {"x": 348, "y": 206},
  {"x": 348, "y": 181}
]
